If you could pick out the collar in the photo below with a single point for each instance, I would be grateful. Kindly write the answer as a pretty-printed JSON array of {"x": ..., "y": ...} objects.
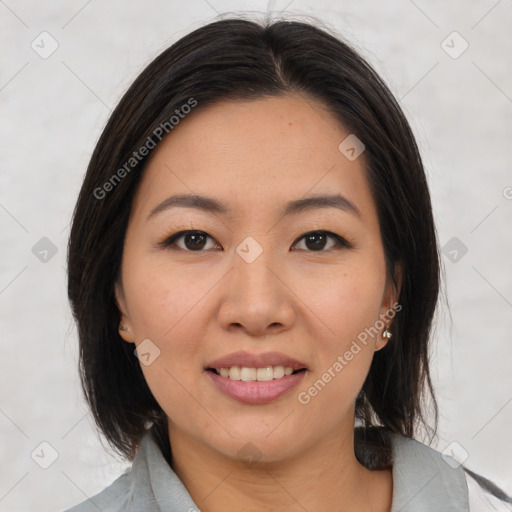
[{"x": 423, "y": 481}]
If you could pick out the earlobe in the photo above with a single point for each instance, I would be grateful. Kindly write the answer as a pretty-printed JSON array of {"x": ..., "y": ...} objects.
[
  {"x": 383, "y": 341},
  {"x": 125, "y": 333},
  {"x": 124, "y": 323},
  {"x": 390, "y": 306}
]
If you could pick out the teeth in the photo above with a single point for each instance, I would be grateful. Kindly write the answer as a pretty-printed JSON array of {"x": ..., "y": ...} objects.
[
  {"x": 266, "y": 373},
  {"x": 278, "y": 372},
  {"x": 247, "y": 374},
  {"x": 251, "y": 374},
  {"x": 234, "y": 373}
]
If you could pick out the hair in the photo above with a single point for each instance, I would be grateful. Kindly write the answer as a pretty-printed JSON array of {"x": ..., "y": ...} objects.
[{"x": 242, "y": 60}]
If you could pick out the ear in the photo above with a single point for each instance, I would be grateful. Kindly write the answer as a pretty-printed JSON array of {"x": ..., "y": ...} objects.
[
  {"x": 125, "y": 328},
  {"x": 390, "y": 306}
]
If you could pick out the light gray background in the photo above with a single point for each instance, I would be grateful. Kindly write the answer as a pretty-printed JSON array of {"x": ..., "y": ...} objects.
[{"x": 53, "y": 111}]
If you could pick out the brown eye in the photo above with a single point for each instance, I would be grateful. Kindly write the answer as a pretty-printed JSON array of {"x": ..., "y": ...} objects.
[
  {"x": 317, "y": 241},
  {"x": 192, "y": 241}
]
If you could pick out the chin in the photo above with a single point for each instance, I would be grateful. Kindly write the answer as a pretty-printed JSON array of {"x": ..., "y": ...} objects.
[{"x": 251, "y": 445}]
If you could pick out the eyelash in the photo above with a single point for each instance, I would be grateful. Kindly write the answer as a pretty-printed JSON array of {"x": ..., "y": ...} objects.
[{"x": 341, "y": 243}]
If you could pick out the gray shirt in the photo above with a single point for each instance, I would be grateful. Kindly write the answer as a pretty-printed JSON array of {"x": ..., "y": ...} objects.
[{"x": 423, "y": 480}]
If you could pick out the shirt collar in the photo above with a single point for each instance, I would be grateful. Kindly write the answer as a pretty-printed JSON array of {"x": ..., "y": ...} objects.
[{"x": 423, "y": 480}]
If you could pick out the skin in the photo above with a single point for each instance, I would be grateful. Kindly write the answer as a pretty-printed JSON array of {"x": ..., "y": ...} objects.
[{"x": 196, "y": 306}]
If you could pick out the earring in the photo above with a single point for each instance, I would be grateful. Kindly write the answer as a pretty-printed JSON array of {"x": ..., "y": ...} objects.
[
  {"x": 123, "y": 328},
  {"x": 386, "y": 334}
]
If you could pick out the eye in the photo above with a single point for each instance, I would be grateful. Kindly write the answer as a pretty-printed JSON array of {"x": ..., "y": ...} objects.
[
  {"x": 316, "y": 241},
  {"x": 193, "y": 241},
  {"x": 197, "y": 241}
]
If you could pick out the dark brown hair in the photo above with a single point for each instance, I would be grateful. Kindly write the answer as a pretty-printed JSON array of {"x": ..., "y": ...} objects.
[{"x": 238, "y": 59}]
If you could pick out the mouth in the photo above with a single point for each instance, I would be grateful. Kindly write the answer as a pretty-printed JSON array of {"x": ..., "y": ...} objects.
[
  {"x": 261, "y": 374},
  {"x": 255, "y": 386},
  {"x": 255, "y": 378}
]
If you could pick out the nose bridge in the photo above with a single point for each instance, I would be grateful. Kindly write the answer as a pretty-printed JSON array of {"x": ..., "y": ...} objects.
[
  {"x": 254, "y": 262},
  {"x": 255, "y": 298}
]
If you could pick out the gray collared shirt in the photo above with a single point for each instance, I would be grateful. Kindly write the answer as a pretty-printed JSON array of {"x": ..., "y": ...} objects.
[{"x": 423, "y": 481}]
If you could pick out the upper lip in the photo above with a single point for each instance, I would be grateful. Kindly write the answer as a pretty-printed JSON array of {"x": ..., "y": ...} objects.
[{"x": 249, "y": 360}]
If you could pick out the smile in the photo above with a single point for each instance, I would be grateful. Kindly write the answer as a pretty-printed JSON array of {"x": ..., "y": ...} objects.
[
  {"x": 264, "y": 374},
  {"x": 248, "y": 389}
]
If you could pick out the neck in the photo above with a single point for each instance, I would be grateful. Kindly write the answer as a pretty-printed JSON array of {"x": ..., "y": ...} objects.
[{"x": 326, "y": 476}]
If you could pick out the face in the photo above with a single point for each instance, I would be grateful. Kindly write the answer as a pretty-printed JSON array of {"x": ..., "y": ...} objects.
[{"x": 260, "y": 282}]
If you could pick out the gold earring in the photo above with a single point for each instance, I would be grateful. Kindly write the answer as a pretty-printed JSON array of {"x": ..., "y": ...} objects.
[{"x": 386, "y": 334}]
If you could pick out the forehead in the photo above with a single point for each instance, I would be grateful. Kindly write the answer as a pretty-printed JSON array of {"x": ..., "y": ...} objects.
[{"x": 255, "y": 155}]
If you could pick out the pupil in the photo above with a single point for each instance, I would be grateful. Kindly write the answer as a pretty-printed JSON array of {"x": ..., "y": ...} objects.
[
  {"x": 316, "y": 245},
  {"x": 198, "y": 240}
]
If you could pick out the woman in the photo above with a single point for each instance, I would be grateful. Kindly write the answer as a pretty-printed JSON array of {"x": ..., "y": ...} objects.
[{"x": 254, "y": 269}]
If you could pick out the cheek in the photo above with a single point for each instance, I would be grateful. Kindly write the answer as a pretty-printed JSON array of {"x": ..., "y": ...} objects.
[
  {"x": 343, "y": 359},
  {"x": 347, "y": 305},
  {"x": 346, "y": 300},
  {"x": 165, "y": 307},
  {"x": 161, "y": 298}
]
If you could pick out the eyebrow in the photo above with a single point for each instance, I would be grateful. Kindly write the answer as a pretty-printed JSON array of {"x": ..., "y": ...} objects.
[{"x": 210, "y": 205}]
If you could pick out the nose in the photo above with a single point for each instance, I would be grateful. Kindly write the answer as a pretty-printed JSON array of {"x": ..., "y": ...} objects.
[{"x": 256, "y": 297}]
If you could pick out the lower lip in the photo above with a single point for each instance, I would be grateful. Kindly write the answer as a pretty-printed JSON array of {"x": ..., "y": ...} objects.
[{"x": 256, "y": 392}]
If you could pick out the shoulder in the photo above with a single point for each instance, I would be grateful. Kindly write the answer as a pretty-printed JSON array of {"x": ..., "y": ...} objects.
[
  {"x": 425, "y": 479},
  {"x": 146, "y": 486},
  {"x": 113, "y": 498}
]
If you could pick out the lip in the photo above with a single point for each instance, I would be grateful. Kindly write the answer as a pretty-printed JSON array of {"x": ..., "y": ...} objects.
[
  {"x": 249, "y": 360},
  {"x": 256, "y": 392}
]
